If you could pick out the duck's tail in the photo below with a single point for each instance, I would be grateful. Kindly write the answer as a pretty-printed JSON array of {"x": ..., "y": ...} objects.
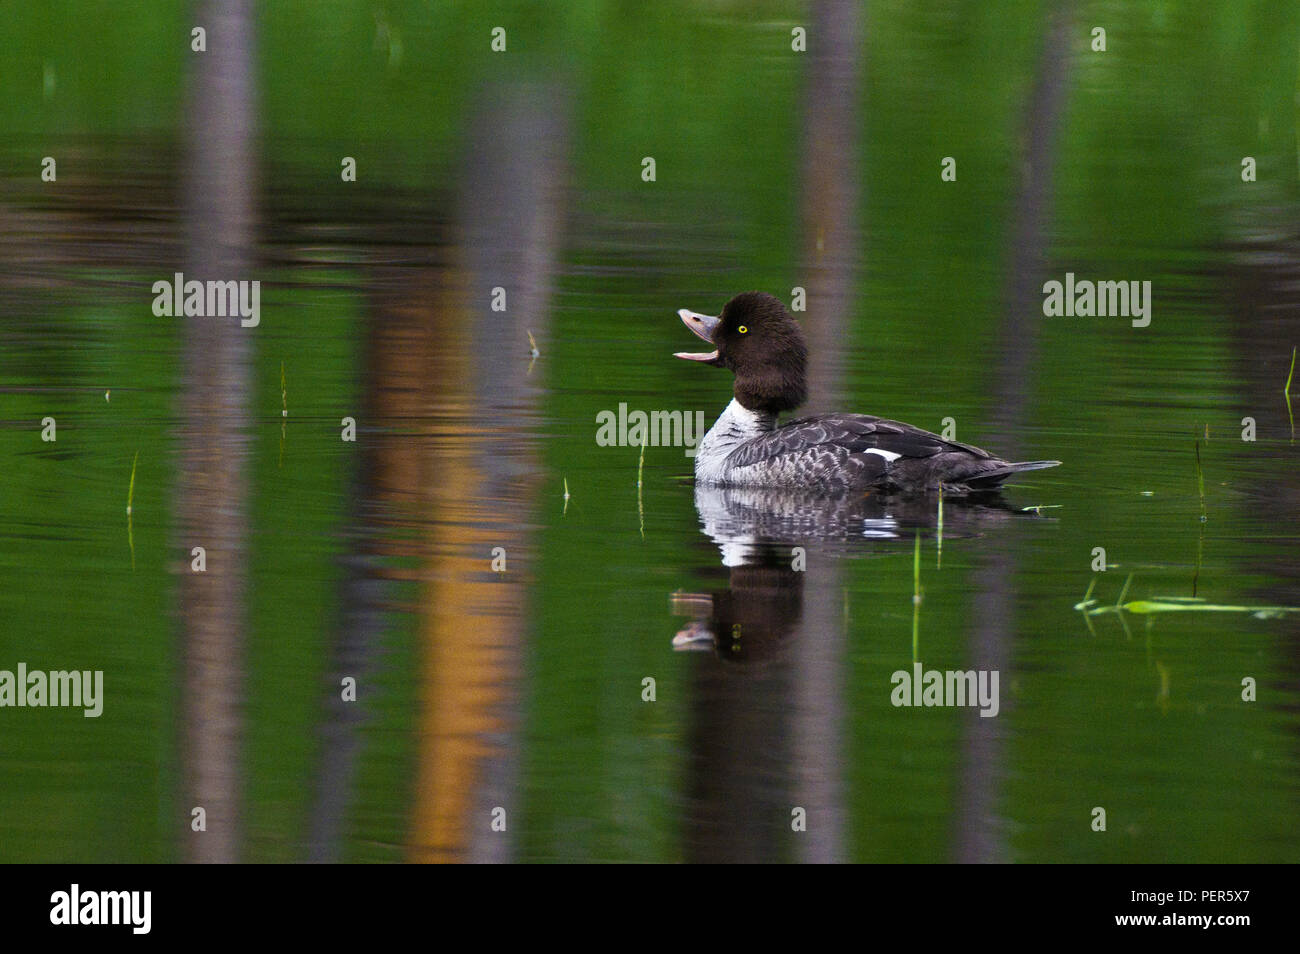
[{"x": 993, "y": 478}]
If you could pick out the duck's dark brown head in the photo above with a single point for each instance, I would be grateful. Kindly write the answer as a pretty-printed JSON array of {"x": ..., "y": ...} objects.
[{"x": 761, "y": 343}]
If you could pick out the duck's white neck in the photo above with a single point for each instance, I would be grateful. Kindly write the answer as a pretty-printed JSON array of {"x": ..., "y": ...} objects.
[{"x": 733, "y": 427}]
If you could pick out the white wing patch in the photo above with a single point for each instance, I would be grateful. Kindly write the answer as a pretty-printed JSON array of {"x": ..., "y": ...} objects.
[{"x": 888, "y": 455}]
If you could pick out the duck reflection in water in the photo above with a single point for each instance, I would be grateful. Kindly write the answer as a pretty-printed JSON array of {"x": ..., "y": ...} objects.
[
  {"x": 767, "y": 720},
  {"x": 764, "y": 536}
]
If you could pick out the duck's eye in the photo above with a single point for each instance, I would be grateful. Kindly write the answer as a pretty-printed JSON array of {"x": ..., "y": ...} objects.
[{"x": 743, "y": 329}]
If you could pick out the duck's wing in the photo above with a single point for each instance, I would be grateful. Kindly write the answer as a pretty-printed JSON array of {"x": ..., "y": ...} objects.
[
  {"x": 858, "y": 447},
  {"x": 854, "y": 433}
]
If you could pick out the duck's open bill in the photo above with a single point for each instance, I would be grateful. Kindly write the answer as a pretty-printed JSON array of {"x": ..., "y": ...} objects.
[{"x": 703, "y": 326}]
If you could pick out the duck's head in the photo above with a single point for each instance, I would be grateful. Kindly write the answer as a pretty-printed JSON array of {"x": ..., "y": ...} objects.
[{"x": 761, "y": 343}]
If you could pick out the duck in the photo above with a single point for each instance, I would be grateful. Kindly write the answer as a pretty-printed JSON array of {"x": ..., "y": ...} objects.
[{"x": 761, "y": 344}]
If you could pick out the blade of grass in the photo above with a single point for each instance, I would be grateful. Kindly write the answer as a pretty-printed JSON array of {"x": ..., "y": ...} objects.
[
  {"x": 916, "y": 599},
  {"x": 640, "y": 465},
  {"x": 1200, "y": 479},
  {"x": 1286, "y": 392},
  {"x": 130, "y": 492},
  {"x": 130, "y": 500},
  {"x": 938, "y": 560}
]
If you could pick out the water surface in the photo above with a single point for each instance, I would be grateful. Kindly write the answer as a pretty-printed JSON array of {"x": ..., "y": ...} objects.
[{"x": 501, "y": 634}]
